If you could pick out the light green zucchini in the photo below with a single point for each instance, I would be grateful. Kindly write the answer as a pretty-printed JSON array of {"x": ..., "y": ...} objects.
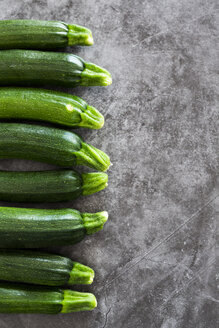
[{"x": 50, "y": 106}]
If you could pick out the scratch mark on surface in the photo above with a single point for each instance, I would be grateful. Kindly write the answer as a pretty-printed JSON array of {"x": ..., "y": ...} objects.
[
  {"x": 210, "y": 13},
  {"x": 139, "y": 258},
  {"x": 105, "y": 323},
  {"x": 115, "y": 9},
  {"x": 211, "y": 298},
  {"x": 150, "y": 37},
  {"x": 172, "y": 32},
  {"x": 177, "y": 291},
  {"x": 107, "y": 312},
  {"x": 182, "y": 268}
]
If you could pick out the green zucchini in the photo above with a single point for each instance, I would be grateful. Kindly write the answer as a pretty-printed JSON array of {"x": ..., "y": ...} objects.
[
  {"x": 49, "y": 186},
  {"x": 29, "y": 67},
  {"x": 42, "y": 269},
  {"x": 18, "y": 298},
  {"x": 47, "y": 105},
  {"x": 39, "y": 34},
  {"x": 36, "y": 228},
  {"x": 49, "y": 145}
]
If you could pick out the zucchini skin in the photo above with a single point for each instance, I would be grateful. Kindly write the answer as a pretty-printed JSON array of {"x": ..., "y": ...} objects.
[
  {"x": 49, "y": 145},
  {"x": 29, "y": 299},
  {"x": 35, "y": 228},
  {"x": 37, "y": 68},
  {"x": 49, "y": 186},
  {"x": 42, "y": 268},
  {"x": 19, "y": 298},
  {"x": 39, "y": 34},
  {"x": 50, "y": 106},
  {"x": 34, "y": 267},
  {"x": 39, "y": 143},
  {"x": 30, "y": 228}
]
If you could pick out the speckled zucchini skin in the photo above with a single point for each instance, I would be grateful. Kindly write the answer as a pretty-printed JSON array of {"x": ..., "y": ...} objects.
[
  {"x": 25, "y": 228},
  {"x": 39, "y": 143},
  {"x": 34, "y": 267}
]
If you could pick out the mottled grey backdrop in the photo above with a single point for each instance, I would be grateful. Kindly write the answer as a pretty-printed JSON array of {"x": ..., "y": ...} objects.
[{"x": 155, "y": 261}]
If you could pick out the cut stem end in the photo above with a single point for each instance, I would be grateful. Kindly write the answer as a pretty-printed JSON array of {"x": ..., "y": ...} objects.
[
  {"x": 76, "y": 301},
  {"x": 91, "y": 118},
  {"x": 81, "y": 275},
  {"x": 95, "y": 75},
  {"x": 94, "y": 222},
  {"x": 79, "y": 35},
  {"x": 92, "y": 157},
  {"x": 93, "y": 182}
]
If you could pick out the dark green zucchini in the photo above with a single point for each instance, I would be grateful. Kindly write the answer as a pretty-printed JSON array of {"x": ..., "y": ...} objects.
[
  {"x": 47, "y": 105},
  {"x": 42, "y": 268},
  {"x": 18, "y": 298},
  {"x": 49, "y": 145},
  {"x": 39, "y": 34},
  {"x": 49, "y": 186},
  {"x": 36, "y": 228},
  {"x": 29, "y": 67}
]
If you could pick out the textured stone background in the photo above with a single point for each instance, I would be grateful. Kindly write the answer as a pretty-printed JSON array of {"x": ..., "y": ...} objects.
[{"x": 155, "y": 261}]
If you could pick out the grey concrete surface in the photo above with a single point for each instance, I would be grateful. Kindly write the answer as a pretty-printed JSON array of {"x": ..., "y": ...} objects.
[{"x": 155, "y": 261}]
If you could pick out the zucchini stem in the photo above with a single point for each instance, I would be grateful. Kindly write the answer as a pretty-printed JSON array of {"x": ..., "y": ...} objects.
[
  {"x": 92, "y": 157},
  {"x": 91, "y": 118},
  {"x": 94, "y": 222},
  {"x": 79, "y": 35},
  {"x": 95, "y": 75},
  {"x": 81, "y": 275},
  {"x": 93, "y": 182},
  {"x": 75, "y": 301}
]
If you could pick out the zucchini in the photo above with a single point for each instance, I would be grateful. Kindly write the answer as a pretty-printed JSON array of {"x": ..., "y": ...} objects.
[
  {"x": 50, "y": 106},
  {"x": 42, "y": 269},
  {"x": 49, "y": 186},
  {"x": 29, "y": 67},
  {"x": 39, "y": 34},
  {"x": 36, "y": 228},
  {"x": 49, "y": 145},
  {"x": 18, "y": 298}
]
